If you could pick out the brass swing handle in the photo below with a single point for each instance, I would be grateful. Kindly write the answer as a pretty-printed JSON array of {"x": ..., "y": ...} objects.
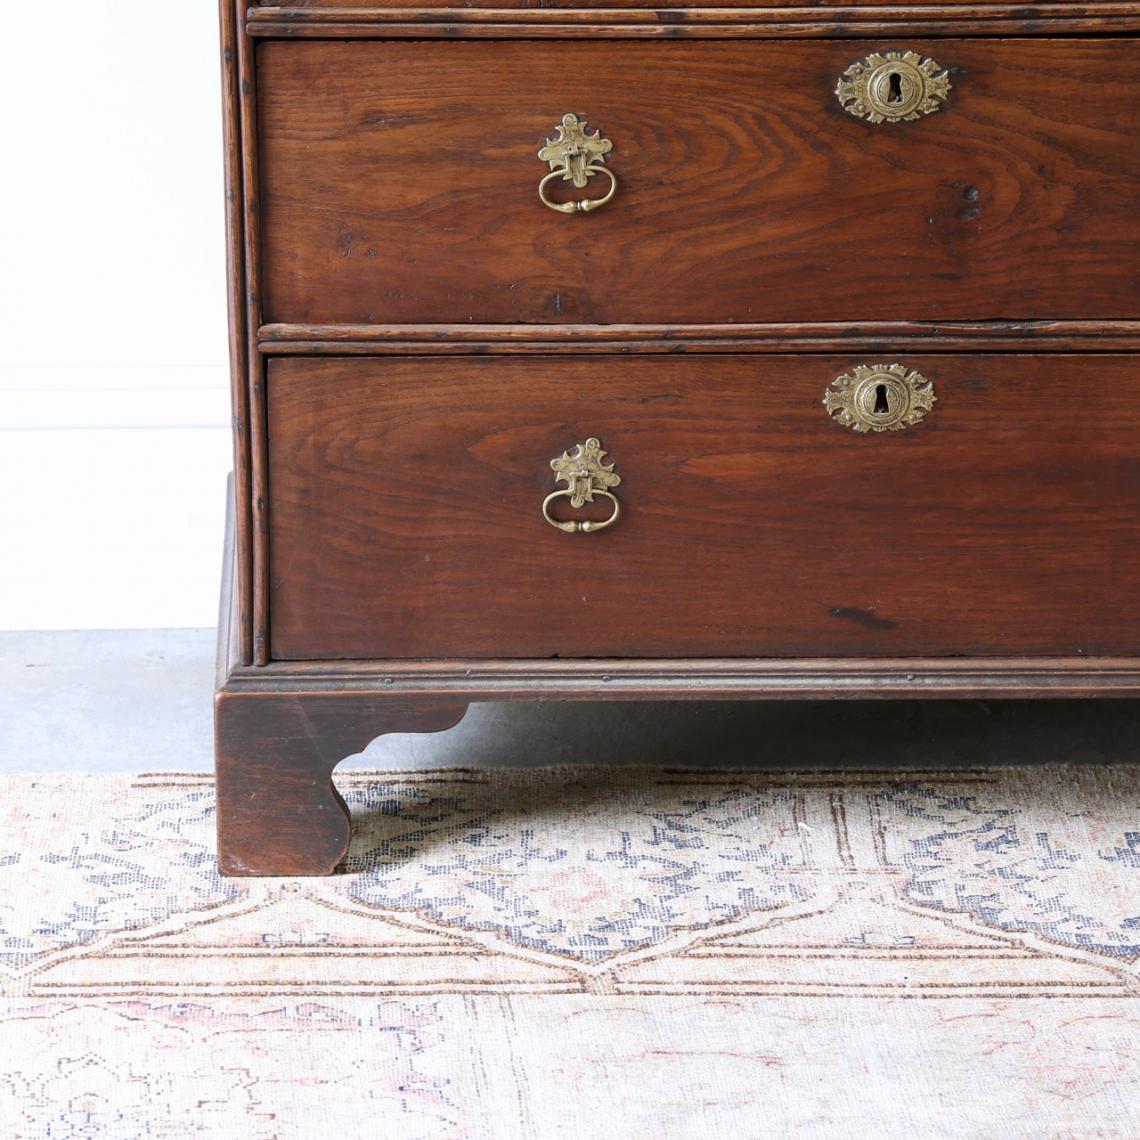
[
  {"x": 587, "y": 478},
  {"x": 576, "y": 156}
]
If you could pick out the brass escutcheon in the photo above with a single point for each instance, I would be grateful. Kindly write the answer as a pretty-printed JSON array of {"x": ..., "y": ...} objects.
[
  {"x": 893, "y": 87},
  {"x": 576, "y": 156},
  {"x": 879, "y": 397},
  {"x": 586, "y": 477}
]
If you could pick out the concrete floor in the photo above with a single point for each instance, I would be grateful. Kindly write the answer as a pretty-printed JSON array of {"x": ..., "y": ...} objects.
[{"x": 140, "y": 700}]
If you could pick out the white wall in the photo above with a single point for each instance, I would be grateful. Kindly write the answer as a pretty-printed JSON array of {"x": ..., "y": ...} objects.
[{"x": 113, "y": 380}]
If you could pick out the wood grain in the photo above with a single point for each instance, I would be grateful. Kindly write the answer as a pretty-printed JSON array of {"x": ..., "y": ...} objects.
[
  {"x": 406, "y": 516},
  {"x": 782, "y": 19},
  {"x": 238, "y": 330},
  {"x": 278, "y": 811},
  {"x": 443, "y": 24},
  {"x": 706, "y": 679},
  {"x": 253, "y": 318},
  {"x": 734, "y": 18},
  {"x": 348, "y": 10},
  {"x": 399, "y": 185},
  {"x": 820, "y": 336}
]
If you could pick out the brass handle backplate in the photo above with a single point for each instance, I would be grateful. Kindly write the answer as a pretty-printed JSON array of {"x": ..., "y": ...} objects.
[
  {"x": 893, "y": 87},
  {"x": 879, "y": 397},
  {"x": 587, "y": 478},
  {"x": 576, "y": 156}
]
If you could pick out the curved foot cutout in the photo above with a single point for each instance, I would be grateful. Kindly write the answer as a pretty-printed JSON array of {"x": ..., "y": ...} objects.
[{"x": 278, "y": 811}]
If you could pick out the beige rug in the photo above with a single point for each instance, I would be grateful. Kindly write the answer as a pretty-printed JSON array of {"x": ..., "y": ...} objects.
[{"x": 585, "y": 954}]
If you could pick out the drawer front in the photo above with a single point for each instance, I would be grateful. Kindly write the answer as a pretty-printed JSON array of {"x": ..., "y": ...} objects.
[
  {"x": 400, "y": 184},
  {"x": 406, "y": 508}
]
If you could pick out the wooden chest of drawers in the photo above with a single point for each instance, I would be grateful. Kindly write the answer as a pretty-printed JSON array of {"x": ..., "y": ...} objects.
[{"x": 616, "y": 352}]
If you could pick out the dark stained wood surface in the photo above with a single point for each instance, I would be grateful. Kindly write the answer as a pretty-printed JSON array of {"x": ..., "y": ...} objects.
[
  {"x": 824, "y": 336},
  {"x": 344, "y": 9},
  {"x": 278, "y": 811},
  {"x": 255, "y": 368},
  {"x": 702, "y": 679},
  {"x": 399, "y": 185},
  {"x": 787, "y": 18},
  {"x": 713, "y": 23},
  {"x": 406, "y": 494}
]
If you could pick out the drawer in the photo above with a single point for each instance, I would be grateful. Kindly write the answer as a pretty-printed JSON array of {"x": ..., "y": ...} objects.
[
  {"x": 406, "y": 507},
  {"x": 400, "y": 183}
]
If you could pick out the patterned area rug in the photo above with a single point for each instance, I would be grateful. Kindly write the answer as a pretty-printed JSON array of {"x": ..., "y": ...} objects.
[{"x": 582, "y": 953}]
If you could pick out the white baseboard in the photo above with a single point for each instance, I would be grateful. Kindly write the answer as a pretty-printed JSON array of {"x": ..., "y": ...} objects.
[
  {"x": 107, "y": 528},
  {"x": 69, "y": 399}
]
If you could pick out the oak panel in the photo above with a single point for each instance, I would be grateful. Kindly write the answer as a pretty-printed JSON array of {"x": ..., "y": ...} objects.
[
  {"x": 405, "y": 517},
  {"x": 399, "y": 185}
]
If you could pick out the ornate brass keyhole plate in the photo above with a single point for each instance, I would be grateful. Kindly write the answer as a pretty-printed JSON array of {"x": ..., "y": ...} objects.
[
  {"x": 576, "y": 156},
  {"x": 587, "y": 476},
  {"x": 893, "y": 87},
  {"x": 879, "y": 397}
]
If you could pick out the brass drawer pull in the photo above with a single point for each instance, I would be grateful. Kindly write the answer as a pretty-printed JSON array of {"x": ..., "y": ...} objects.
[
  {"x": 576, "y": 156},
  {"x": 586, "y": 478},
  {"x": 879, "y": 397},
  {"x": 893, "y": 87}
]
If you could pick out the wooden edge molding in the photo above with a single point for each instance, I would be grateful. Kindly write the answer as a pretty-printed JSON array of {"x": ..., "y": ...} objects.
[
  {"x": 825, "y": 678},
  {"x": 794, "y": 23},
  {"x": 254, "y": 361},
  {"x": 1010, "y": 336},
  {"x": 240, "y": 526}
]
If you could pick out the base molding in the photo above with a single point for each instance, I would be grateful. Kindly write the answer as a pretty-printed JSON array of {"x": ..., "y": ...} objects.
[{"x": 815, "y": 679}]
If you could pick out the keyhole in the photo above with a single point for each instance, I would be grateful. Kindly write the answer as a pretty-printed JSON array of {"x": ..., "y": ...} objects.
[
  {"x": 882, "y": 404},
  {"x": 894, "y": 88}
]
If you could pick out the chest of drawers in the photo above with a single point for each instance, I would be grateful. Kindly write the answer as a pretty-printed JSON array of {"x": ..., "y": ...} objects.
[{"x": 617, "y": 353}]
